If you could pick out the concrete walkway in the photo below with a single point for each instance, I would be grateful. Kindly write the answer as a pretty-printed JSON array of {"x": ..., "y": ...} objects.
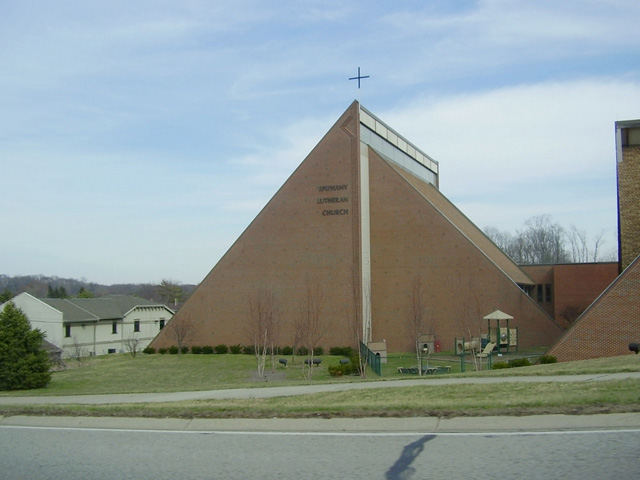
[{"x": 268, "y": 392}]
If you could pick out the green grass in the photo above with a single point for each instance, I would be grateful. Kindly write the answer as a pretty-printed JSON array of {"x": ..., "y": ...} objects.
[{"x": 168, "y": 373}]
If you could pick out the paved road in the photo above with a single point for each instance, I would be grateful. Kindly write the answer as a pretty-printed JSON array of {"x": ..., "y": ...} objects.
[
  {"x": 366, "y": 448},
  {"x": 267, "y": 392}
]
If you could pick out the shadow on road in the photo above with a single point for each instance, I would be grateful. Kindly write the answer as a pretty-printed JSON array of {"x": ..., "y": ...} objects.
[{"x": 402, "y": 470}]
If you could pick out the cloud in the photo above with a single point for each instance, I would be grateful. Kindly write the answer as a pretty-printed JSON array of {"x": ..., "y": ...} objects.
[{"x": 511, "y": 153}]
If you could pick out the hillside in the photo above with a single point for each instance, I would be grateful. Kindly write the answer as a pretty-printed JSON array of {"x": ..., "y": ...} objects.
[{"x": 38, "y": 286}]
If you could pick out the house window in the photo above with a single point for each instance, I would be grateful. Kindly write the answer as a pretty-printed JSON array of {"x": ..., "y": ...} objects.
[
  {"x": 114, "y": 328},
  {"x": 67, "y": 330},
  {"x": 161, "y": 323},
  {"x": 136, "y": 325},
  {"x": 539, "y": 290},
  {"x": 547, "y": 292}
]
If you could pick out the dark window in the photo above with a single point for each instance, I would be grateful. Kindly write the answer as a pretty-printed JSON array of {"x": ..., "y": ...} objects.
[
  {"x": 114, "y": 328},
  {"x": 67, "y": 330},
  {"x": 111, "y": 350},
  {"x": 547, "y": 292},
  {"x": 539, "y": 289},
  {"x": 136, "y": 325},
  {"x": 161, "y": 323}
]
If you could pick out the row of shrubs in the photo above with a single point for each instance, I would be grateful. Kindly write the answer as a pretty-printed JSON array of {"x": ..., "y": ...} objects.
[
  {"x": 246, "y": 349},
  {"x": 524, "y": 362}
]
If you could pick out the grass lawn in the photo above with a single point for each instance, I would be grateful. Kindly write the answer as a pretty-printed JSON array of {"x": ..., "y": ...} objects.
[{"x": 167, "y": 373}]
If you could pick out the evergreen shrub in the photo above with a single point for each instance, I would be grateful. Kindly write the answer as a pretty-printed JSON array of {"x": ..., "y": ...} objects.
[
  {"x": 545, "y": 359},
  {"x": 24, "y": 363}
]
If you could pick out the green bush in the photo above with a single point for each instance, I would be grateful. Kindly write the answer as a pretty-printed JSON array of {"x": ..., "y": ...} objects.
[
  {"x": 341, "y": 351},
  {"x": 221, "y": 349},
  {"x": 520, "y": 362},
  {"x": 544, "y": 359},
  {"x": 173, "y": 350},
  {"x": 207, "y": 350},
  {"x": 162, "y": 351},
  {"x": 235, "y": 349},
  {"x": 196, "y": 350},
  {"x": 184, "y": 349},
  {"x": 287, "y": 350},
  {"x": 499, "y": 365},
  {"x": 338, "y": 370},
  {"x": 149, "y": 350},
  {"x": 248, "y": 350},
  {"x": 351, "y": 368},
  {"x": 318, "y": 351},
  {"x": 24, "y": 363},
  {"x": 303, "y": 351}
]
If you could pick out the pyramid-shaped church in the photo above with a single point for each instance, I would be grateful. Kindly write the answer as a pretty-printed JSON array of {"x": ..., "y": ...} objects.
[{"x": 357, "y": 229}]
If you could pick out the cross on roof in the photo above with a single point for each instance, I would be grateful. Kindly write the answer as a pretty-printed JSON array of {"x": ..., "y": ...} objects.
[{"x": 359, "y": 77}]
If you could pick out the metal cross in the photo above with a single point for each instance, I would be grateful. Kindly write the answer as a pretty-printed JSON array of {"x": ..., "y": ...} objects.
[{"x": 359, "y": 77}]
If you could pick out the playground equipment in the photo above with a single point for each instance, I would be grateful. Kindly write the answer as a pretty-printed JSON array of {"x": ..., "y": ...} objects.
[
  {"x": 504, "y": 337},
  {"x": 463, "y": 346}
]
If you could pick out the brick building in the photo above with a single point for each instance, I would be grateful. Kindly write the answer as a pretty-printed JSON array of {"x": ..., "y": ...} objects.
[
  {"x": 355, "y": 231},
  {"x": 565, "y": 290},
  {"x": 613, "y": 320},
  {"x": 607, "y": 327},
  {"x": 628, "y": 171}
]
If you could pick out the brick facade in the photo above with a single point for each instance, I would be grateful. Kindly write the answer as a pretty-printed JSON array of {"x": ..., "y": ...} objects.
[
  {"x": 628, "y": 204},
  {"x": 310, "y": 237},
  {"x": 564, "y": 291},
  {"x": 609, "y": 325}
]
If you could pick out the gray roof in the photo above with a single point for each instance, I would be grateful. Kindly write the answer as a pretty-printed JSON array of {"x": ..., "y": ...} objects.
[{"x": 93, "y": 309}]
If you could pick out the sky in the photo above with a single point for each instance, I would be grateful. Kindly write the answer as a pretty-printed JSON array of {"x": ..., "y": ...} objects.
[{"x": 139, "y": 139}]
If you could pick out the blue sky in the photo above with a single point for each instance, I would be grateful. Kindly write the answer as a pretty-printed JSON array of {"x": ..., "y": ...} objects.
[{"x": 139, "y": 139}]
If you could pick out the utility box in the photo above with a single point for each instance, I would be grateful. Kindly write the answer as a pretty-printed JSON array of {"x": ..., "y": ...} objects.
[{"x": 379, "y": 349}]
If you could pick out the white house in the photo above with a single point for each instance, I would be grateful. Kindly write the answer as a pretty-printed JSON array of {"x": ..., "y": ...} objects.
[{"x": 96, "y": 326}]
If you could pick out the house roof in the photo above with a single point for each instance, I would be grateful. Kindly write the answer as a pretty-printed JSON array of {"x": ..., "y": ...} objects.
[{"x": 93, "y": 309}]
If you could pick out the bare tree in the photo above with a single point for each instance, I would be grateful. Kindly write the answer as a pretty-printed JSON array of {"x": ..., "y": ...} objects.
[
  {"x": 417, "y": 318},
  {"x": 579, "y": 242},
  {"x": 131, "y": 344},
  {"x": 312, "y": 323},
  {"x": 77, "y": 351},
  {"x": 570, "y": 313},
  {"x": 470, "y": 310},
  {"x": 542, "y": 241},
  {"x": 356, "y": 314},
  {"x": 180, "y": 330},
  {"x": 263, "y": 320}
]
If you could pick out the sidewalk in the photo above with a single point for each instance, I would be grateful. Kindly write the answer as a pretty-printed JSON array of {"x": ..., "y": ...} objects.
[{"x": 268, "y": 392}]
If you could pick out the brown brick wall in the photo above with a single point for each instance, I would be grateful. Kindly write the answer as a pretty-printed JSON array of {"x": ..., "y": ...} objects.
[
  {"x": 411, "y": 239},
  {"x": 629, "y": 204},
  {"x": 574, "y": 286},
  {"x": 578, "y": 285},
  {"x": 609, "y": 325},
  {"x": 289, "y": 242}
]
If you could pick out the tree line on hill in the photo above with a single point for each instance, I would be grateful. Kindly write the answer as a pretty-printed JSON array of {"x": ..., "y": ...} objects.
[
  {"x": 168, "y": 292},
  {"x": 543, "y": 241}
]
